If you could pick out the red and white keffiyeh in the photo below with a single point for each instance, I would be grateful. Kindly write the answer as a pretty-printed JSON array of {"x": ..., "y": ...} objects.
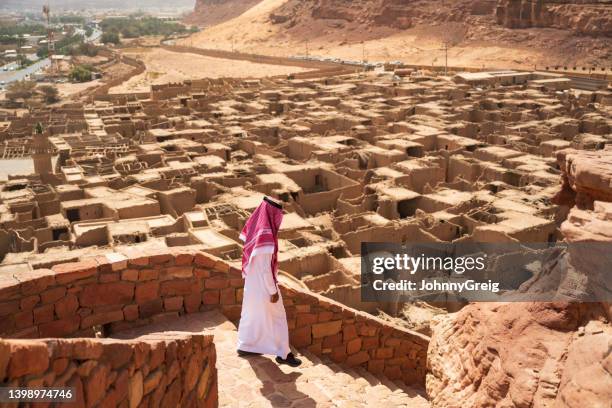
[{"x": 260, "y": 234}]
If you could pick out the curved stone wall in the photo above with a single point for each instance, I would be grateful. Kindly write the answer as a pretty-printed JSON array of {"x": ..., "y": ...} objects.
[
  {"x": 168, "y": 371},
  {"x": 110, "y": 293}
]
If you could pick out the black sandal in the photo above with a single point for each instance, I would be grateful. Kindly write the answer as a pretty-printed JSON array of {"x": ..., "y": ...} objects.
[{"x": 290, "y": 360}]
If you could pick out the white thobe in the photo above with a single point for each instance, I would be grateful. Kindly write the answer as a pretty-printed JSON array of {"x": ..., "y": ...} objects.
[{"x": 263, "y": 324}]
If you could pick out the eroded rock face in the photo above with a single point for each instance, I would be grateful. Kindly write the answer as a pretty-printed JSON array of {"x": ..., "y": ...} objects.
[
  {"x": 582, "y": 16},
  {"x": 210, "y": 12},
  {"x": 538, "y": 354},
  {"x": 587, "y": 177},
  {"x": 521, "y": 355}
]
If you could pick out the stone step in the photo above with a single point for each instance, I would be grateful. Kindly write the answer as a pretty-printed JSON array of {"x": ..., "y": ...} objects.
[{"x": 259, "y": 382}]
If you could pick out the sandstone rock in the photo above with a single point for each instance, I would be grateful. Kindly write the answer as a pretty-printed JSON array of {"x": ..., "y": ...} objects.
[
  {"x": 135, "y": 390},
  {"x": 95, "y": 385},
  {"x": 579, "y": 16},
  {"x": 326, "y": 329},
  {"x": 28, "y": 359},
  {"x": 107, "y": 294},
  {"x": 587, "y": 176},
  {"x": 210, "y": 12},
  {"x": 538, "y": 354}
]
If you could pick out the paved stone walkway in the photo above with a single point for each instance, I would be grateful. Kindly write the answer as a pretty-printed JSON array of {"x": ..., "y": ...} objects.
[{"x": 255, "y": 382}]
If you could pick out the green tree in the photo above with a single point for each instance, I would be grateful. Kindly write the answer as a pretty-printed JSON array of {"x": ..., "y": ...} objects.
[
  {"x": 81, "y": 73},
  {"x": 50, "y": 93},
  {"x": 20, "y": 90},
  {"x": 110, "y": 38}
]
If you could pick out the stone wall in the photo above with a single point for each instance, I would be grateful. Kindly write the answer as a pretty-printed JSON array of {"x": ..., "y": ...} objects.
[
  {"x": 156, "y": 370},
  {"x": 110, "y": 293},
  {"x": 345, "y": 335}
]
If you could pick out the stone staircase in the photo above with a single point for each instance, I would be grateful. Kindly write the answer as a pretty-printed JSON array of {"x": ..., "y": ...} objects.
[{"x": 258, "y": 381}]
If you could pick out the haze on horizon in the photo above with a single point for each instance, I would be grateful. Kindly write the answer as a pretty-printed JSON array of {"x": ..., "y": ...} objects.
[{"x": 95, "y": 4}]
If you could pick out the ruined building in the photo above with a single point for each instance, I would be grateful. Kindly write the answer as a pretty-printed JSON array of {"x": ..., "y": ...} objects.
[{"x": 129, "y": 227}]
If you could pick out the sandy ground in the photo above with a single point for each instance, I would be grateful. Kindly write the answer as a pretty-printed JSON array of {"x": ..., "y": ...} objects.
[
  {"x": 409, "y": 47},
  {"x": 254, "y": 33},
  {"x": 68, "y": 89},
  {"x": 165, "y": 66}
]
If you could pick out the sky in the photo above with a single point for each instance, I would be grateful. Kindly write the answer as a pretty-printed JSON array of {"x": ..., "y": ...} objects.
[{"x": 96, "y": 4}]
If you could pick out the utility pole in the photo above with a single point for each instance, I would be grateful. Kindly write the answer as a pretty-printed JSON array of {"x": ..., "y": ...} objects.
[
  {"x": 50, "y": 42},
  {"x": 445, "y": 49}
]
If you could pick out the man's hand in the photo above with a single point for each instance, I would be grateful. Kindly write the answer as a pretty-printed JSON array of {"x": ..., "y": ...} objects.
[{"x": 274, "y": 298}]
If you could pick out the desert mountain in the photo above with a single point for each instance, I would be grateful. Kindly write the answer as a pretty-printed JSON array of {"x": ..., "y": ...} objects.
[{"x": 493, "y": 33}]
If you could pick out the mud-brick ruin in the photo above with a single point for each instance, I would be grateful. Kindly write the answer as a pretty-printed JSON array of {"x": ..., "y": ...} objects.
[{"x": 121, "y": 254}]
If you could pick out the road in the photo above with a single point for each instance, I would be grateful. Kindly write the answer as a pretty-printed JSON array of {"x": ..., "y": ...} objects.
[
  {"x": 19, "y": 75},
  {"x": 12, "y": 76}
]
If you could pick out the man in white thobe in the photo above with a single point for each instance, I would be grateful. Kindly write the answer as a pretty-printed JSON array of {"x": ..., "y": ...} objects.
[{"x": 263, "y": 321}]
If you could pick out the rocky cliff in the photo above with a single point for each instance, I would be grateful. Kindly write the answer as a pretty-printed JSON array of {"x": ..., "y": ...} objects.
[
  {"x": 538, "y": 354},
  {"x": 211, "y": 12},
  {"x": 581, "y": 16},
  {"x": 390, "y": 13}
]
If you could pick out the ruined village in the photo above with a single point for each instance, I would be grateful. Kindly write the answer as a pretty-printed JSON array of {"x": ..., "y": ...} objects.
[{"x": 120, "y": 251}]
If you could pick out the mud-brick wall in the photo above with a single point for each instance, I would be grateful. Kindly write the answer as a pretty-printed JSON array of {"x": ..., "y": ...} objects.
[
  {"x": 154, "y": 371},
  {"x": 118, "y": 291},
  {"x": 328, "y": 328}
]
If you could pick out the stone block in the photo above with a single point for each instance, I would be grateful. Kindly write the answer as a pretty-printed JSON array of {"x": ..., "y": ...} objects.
[
  {"x": 179, "y": 287},
  {"x": 146, "y": 292},
  {"x": 148, "y": 274},
  {"x": 24, "y": 319},
  {"x": 150, "y": 308},
  {"x": 332, "y": 341},
  {"x": 305, "y": 319},
  {"x": 43, "y": 314},
  {"x": 192, "y": 302},
  {"x": 72, "y": 271},
  {"x": 130, "y": 275},
  {"x": 104, "y": 294},
  {"x": 173, "y": 304},
  {"x": 130, "y": 313},
  {"x": 27, "y": 358},
  {"x": 325, "y": 316},
  {"x": 67, "y": 306},
  {"x": 210, "y": 297},
  {"x": 216, "y": 283},
  {"x": 326, "y": 329},
  {"x": 376, "y": 366},
  {"x": 357, "y": 358},
  {"x": 118, "y": 354},
  {"x": 301, "y": 337},
  {"x": 227, "y": 296},
  {"x": 384, "y": 353},
  {"x": 183, "y": 259},
  {"x": 135, "y": 389},
  {"x": 179, "y": 272},
  {"x": 53, "y": 294},
  {"x": 7, "y": 308},
  {"x": 28, "y": 302},
  {"x": 152, "y": 381},
  {"x": 95, "y": 385},
  {"x": 353, "y": 346}
]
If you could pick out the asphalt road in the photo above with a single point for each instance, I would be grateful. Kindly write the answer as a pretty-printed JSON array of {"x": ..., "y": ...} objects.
[
  {"x": 19, "y": 75},
  {"x": 12, "y": 76}
]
